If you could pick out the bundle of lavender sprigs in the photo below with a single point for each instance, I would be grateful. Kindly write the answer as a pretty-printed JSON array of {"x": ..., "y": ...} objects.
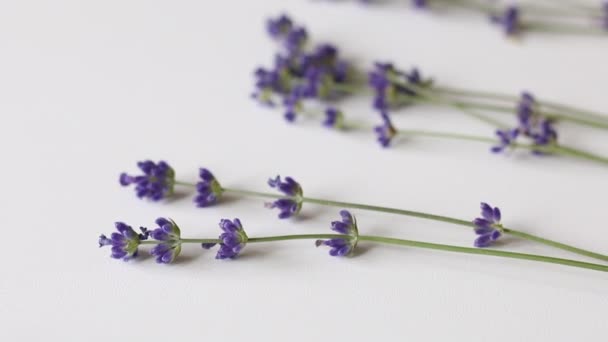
[
  {"x": 515, "y": 18},
  {"x": 157, "y": 182},
  {"x": 303, "y": 75},
  {"x": 319, "y": 74}
]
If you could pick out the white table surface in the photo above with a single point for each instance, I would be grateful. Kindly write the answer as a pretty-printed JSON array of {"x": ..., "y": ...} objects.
[{"x": 87, "y": 88}]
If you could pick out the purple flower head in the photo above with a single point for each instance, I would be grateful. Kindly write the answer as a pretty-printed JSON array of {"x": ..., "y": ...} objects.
[
  {"x": 420, "y": 3},
  {"x": 347, "y": 226},
  {"x": 390, "y": 85},
  {"x": 385, "y": 132},
  {"x": 282, "y": 29},
  {"x": 124, "y": 242},
  {"x": 168, "y": 232},
  {"x": 506, "y": 139},
  {"x": 488, "y": 226},
  {"x": 509, "y": 20},
  {"x": 233, "y": 239},
  {"x": 293, "y": 103},
  {"x": 208, "y": 189},
  {"x": 333, "y": 118},
  {"x": 279, "y": 27},
  {"x": 526, "y": 108},
  {"x": 605, "y": 15},
  {"x": 544, "y": 135},
  {"x": 155, "y": 183},
  {"x": 291, "y": 204}
]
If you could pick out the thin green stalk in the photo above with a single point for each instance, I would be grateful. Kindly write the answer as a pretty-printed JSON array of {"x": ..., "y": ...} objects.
[
  {"x": 465, "y": 106},
  {"x": 551, "y": 149},
  {"x": 480, "y": 251},
  {"x": 597, "y": 117},
  {"x": 408, "y": 243},
  {"x": 426, "y": 216}
]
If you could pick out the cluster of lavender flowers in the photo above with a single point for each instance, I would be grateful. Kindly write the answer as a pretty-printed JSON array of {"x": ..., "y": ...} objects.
[
  {"x": 531, "y": 124},
  {"x": 392, "y": 88},
  {"x": 300, "y": 73},
  {"x": 289, "y": 204}
]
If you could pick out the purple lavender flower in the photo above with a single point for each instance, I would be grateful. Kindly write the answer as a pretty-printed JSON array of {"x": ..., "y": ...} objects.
[
  {"x": 420, "y": 3},
  {"x": 282, "y": 29},
  {"x": 509, "y": 20},
  {"x": 526, "y": 108},
  {"x": 170, "y": 247},
  {"x": 279, "y": 27},
  {"x": 605, "y": 15},
  {"x": 290, "y": 205},
  {"x": 125, "y": 242},
  {"x": 506, "y": 139},
  {"x": 385, "y": 132},
  {"x": 488, "y": 227},
  {"x": 208, "y": 188},
  {"x": 347, "y": 226},
  {"x": 299, "y": 74},
  {"x": 390, "y": 85},
  {"x": 333, "y": 118},
  {"x": 156, "y": 182},
  {"x": 233, "y": 239},
  {"x": 532, "y": 125}
]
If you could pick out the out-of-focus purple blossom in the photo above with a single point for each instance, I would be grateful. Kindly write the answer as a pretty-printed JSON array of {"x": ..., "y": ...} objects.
[
  {"x": 233, "y": 239},
  {"x": 488, "y": 226},
  {"x": 420, "y": 3},
  {"x": 283, "y": 29},
  {"x": 509, "y": 20},
  {"x": 155, "y": 183},
  {"x": 385, "y": 132},
  {"x": 605, "y": 15},
  {"x": 301, "y": 74},
  {"x": 169, "y": 234},
  {"x": 506, "y": 139},
  {"x": 208, "y": 189},
  {"x": 347, "y": 226},
  {"x": 124, "y": 242},
  {"x": 390, "y": 85},
  {"x": 333, "y": 118},
  {"x": 532, "y": 125},
  {"x": 291, "y": 204},
  {"x": 279, "y": 27}
]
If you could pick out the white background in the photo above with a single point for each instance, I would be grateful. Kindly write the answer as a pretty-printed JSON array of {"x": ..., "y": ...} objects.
[{"x": 87, "y": 88}]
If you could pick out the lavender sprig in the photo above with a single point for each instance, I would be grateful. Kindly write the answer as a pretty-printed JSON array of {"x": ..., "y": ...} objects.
[
  {"x": 292, "y": 193},
  {"x": 340, "y": 244}
]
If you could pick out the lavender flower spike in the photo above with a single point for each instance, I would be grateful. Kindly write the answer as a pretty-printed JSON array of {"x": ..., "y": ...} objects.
[
  {"x": 291, "y": 204},
  {"x": 488, "y": 227},
  {"x": 347, "y": 226},
  {"x": 333, "y": 118},
  {"x": 209, "y": 189},
  {"x": 233, "y": 239},
  {"x": 385, "y": 132},
  {"x": 506, "y": 139},
  {"x": 170, "y": 247},
  {"x": 125, "y": 242},
  {"x": 155, "y": 183},
  {"x": 509, "y": 20}
]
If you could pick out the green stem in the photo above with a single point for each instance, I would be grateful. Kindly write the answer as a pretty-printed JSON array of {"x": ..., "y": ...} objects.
[
  {"x": 590, "y": 116},
  {"x": 556, "y": 244},
  {"x": 480, "y": 251},
  {"x": 408, "y": 243},
  {"x": 418, "y": 214},
  {"x": 556, "y": 149},
  {"x": 432, "y": 97}
]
